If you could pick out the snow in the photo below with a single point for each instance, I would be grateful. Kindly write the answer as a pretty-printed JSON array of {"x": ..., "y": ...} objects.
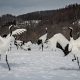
[{"x": 39, "y": 65}]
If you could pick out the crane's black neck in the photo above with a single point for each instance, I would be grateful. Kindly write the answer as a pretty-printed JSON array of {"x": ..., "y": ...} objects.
[
  {"x": 10, "y": 30},
  {"x": 71, "y": 33},
  {"x": 78, "y": 35},
  {"x": 47, "y": 34},
  {"x": 46, "y": 31}
]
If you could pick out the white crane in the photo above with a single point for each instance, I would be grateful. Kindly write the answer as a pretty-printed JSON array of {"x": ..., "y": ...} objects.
[
  {"x": 42, "y": 39},
  {"x": 74, "y": 46},
  {"x": 5, "y": 42},
  {"x": 57, "y": 38}
]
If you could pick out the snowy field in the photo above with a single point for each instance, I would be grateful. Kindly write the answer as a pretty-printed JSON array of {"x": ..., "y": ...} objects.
[{"x": 38, "y": 65}]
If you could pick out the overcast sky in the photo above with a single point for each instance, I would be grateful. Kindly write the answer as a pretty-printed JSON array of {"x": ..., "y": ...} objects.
[{"x": 18, "y": 7}]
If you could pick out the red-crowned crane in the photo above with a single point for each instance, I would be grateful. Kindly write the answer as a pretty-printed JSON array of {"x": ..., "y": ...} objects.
[{"x": 5, "y": 41}]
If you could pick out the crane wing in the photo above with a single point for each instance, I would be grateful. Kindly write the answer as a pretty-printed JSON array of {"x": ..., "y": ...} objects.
[
  {"x": 1, "y": 40},
  {"x": 18, "y": 31},
  {"x": 43, "y": 38}
]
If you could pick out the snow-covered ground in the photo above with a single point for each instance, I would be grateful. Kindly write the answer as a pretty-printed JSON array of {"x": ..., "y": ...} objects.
[{"x": 38, "y": 65}]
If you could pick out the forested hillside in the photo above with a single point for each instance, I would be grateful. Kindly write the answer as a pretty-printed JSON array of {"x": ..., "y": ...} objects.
[{"x": 57, "y": 21}]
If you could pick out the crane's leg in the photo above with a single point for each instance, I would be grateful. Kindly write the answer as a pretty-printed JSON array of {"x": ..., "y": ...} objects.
[
  {"x": 78, "y": 62},
  {"x": 10, "y": 46},
  {"x": 42, "y": 46},
  {"x": 74, "y": 58},
  {"x": 7, "y": 63}
]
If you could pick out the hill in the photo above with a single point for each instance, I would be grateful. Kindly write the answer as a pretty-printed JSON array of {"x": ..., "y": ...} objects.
[{"x": 57, "y": 21}]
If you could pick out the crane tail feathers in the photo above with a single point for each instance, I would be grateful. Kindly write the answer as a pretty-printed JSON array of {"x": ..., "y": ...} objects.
[{"x": 58, "y": 45}]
